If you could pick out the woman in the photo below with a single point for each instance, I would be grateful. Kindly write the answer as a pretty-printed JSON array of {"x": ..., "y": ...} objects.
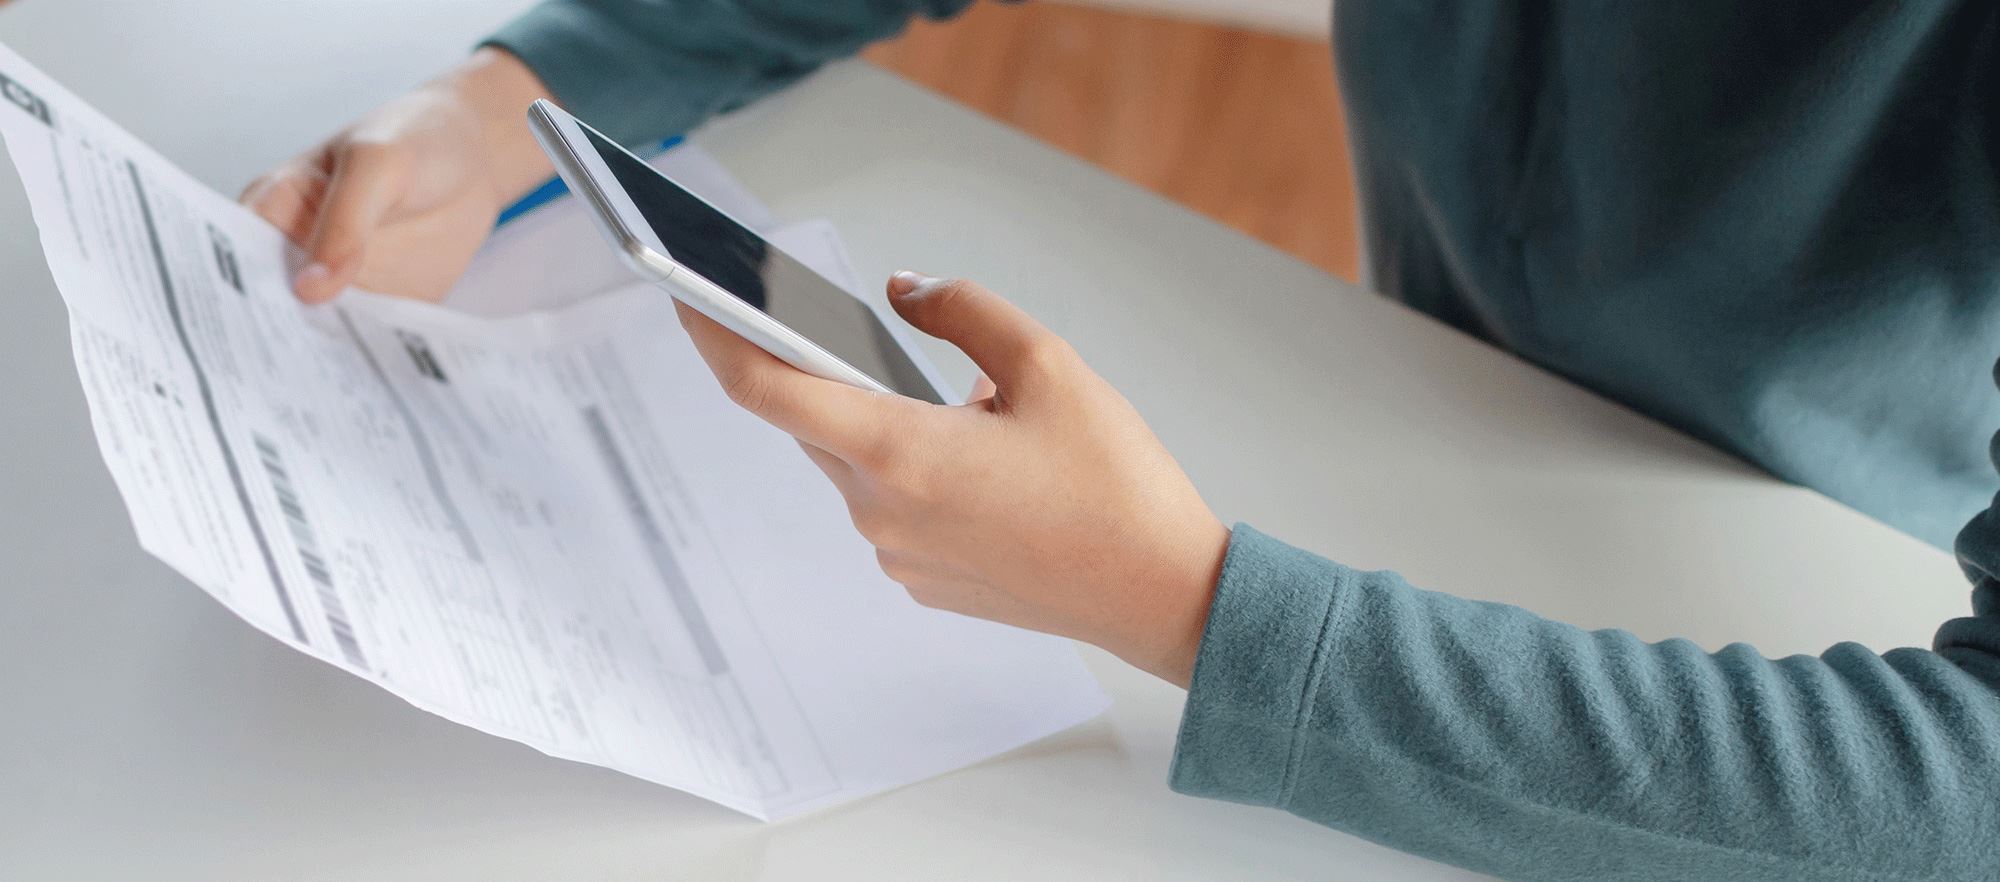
[{"x": 1775, "y": 227}]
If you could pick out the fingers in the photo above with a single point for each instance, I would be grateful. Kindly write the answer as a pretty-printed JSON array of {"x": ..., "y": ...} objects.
[
  {"x": 1007, "y": 344},
  {"x": 366, "y": 182},
  {"x": 286, "y": 198},
  {"x": 836, "y": 469},
  {"x": 852, "y": 424}
]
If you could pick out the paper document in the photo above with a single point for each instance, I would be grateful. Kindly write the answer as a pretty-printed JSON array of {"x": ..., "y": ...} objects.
[{"x": 551, "y": 526}]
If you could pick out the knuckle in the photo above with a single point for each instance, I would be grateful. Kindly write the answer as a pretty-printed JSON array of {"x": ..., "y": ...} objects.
[
  {"x": 271, "y": 187},
  {"x": 887, "y": 452},
  {"x": 877, "y": 456},
  {"x": 877, "y": 526},
  {"x": 1046, "y": 355},
  {"x": 885, "y": 457},
  {"x": 902, "y": 468},
  {"x": 370, "y": 147},
  {"x": 747, "y": 390},
  {"x": 893, "y": 566},
  {"x": 256, "y": 188},
  {"x": 914, "y": 480},
  {"x": 371, "y": 157},
  {"x": 925, "y": 595}
]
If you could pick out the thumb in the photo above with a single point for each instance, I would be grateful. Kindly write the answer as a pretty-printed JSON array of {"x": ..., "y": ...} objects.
[
  {"x": 366, "y": 181},
  {"x": 1005, "y": 342}
]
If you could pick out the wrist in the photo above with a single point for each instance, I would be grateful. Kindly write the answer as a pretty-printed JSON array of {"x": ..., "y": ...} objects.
[
  {"x": 496, "y": 88},
  {"x": 1163, "y": 634}
]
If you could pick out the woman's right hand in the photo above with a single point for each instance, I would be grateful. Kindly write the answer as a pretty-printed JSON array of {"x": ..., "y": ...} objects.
[{"x": 399, "y": 201}]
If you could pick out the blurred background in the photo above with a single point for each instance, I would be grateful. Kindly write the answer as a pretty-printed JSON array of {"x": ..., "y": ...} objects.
[{"x": 1226, "y": 106}]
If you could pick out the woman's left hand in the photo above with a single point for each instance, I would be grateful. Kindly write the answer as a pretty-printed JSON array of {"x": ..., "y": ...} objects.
[{"x": 1045, "y": 502}]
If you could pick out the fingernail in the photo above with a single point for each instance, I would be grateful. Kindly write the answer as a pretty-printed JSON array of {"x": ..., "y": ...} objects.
[
  {"x": 904, "y": 283},
  {"x": 313, "y": 274}
]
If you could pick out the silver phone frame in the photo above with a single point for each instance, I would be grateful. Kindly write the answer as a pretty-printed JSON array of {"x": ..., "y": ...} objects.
[{"x": 563, "y": 138}]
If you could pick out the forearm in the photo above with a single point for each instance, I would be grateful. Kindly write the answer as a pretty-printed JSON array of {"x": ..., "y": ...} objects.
[
  {"x": 1488, "y": 737},
  {"x": 641, "y": 71}
]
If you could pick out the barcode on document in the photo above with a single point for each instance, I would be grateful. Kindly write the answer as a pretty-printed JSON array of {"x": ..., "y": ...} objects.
[{"x": 309, "y": 554}]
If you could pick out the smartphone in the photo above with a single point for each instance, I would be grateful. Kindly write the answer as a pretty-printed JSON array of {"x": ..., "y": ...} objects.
[{"x": 709, "y": 261}]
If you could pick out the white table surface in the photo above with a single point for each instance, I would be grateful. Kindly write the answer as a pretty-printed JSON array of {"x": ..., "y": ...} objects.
[{"x": 144, "y": 732}]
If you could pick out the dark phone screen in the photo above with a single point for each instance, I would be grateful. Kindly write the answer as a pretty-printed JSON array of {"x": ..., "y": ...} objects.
[{"x": 739, "y": 261}]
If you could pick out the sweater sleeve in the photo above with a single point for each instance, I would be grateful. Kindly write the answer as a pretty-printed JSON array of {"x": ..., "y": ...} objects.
[
  {"x": 640, "y": 70},
  {"x": 1484, "y": 736}
]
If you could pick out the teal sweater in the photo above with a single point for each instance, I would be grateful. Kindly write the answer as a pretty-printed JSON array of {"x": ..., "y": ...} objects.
[{"x": 1776, "y": 226}]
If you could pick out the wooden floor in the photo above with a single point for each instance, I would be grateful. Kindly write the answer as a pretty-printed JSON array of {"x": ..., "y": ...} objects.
[{"x": 1242, "y": 126}]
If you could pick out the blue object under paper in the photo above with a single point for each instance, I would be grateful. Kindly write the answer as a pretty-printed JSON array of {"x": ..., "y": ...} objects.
[{"x": 553, "y": 189}]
